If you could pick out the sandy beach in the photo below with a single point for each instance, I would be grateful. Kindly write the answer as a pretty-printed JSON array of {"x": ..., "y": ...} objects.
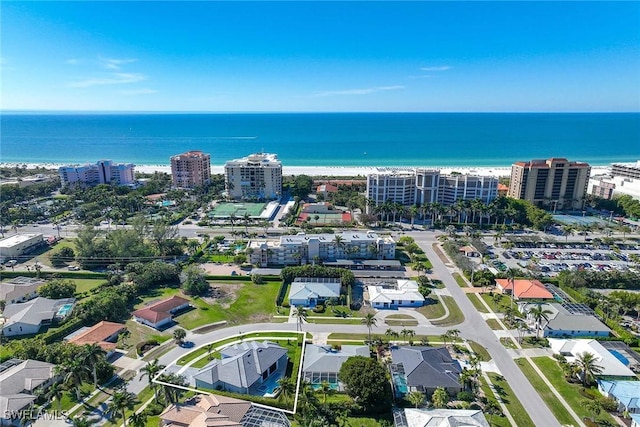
[{"x": 337, "y": 171}]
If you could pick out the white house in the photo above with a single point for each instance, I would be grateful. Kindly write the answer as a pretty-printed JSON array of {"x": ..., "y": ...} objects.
[
  {"x": 413, "y": 417},
  {"x": 404, "y": 293},
  {"x": 572, "y": 348},
  {"x": 20, "y": 289},
  {"x": 28, "y": 317},
  {"x": 160, "y": 314},
  {"x": 566, "y": 322}
]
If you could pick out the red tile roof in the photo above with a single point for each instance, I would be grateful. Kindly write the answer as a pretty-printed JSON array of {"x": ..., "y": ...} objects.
[
  {"x": 525, "y": 289},
  {"x": 161, "y": 309},
  {"x": 97, "y": 334}
]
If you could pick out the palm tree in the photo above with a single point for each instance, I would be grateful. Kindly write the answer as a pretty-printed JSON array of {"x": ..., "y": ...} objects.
[
  {"x": 138, "y": 419},
  {"x": 169, "y": 382},
  {"x": 300, "y": 313},
  {"x": 81, "y": 422},
  {"x": 444, "y": 337},
  {"x": 55, "y": 392},
  {"x": 369, "y": 321},
  {"x": 325, "y": 389},
  {"x": 391, "y": 334},
  {"x": 594, "y": 406},
  {"x": 287, "y": 388},
  {"x": 587, "y": 367},
  {"x": 407, "y": 333},
  {"x": 492, "y": 408},
  {"x": 210, "y": 348},
  {"x": 73, "y": 372},
  {"x": 179, "y": 335},
  {"x": 120, "y": 402},
  {"x": 416, "y": 398},
  {"x": 453, "y": 334},
  {"x": 539, "y": 314},
  {"x": 440, "y": 398},
  {"x": 91, "y": 355},
  {"x": 150, "y": 370}
]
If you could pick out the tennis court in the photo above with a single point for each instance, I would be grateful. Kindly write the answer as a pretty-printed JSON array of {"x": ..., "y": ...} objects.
[
  {"x": 225, "y": 210},
  {"x": 325, "y": 218},
  {"x": 578, "y": 220}
]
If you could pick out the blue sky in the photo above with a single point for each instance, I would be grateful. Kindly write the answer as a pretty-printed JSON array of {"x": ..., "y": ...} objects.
[{"x": 321, "y": 56}]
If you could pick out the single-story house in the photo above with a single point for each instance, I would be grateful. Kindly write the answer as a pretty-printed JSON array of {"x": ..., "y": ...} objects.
[
  {"x": 566, "y": 322},
  {"x": 572, "y": 348},
  {"x": 161, "y": 313},
  {"x": 626, "y": 393},
  {"x": 326, "y": 188},
  {"x": 404, "y": 293},
  {"x": 244, "y": 367},
  {"x": 323, "y": 362},
  {"x": 20, "y": 289},
  {"x": 28, "y": 317},
  {"x": 220, "y": 411},
  {"x": 413, "y": 417},
  {"x": 105, "y": 334},
  {"x": 469, "y": 251},
  {"x": 20, "y": 381},
  {"x": 311, "y": 291},
  {"x": 425, "y": 369},
  {"x": 524, "y": 289}
]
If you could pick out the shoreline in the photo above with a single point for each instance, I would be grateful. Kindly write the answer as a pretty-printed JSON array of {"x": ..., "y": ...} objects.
[{"x": 332, "y": 171}]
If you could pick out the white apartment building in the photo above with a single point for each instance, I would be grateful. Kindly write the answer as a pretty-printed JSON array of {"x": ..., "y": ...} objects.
[
  {"x": 103, "y": 172},
  {"x": 257, "y": 176},
  {"x": 307, "y": 248},
  {"x": 623, "y": 179},
  {"x": 421, "y": 186}
]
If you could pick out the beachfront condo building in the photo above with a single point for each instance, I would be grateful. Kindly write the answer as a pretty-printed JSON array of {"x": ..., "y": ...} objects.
[
  {"x": 626, "y": 170},
  {"x": 255, "y": 177},
  {"x": 191, "y": 169},
  {"x": 553, "y": 183},
  {"x": 623, "y": 179},
  {"x": 422, "y": 186},
  {"x": 309, "y": 248},
  {"x": 103, "y": 172}
]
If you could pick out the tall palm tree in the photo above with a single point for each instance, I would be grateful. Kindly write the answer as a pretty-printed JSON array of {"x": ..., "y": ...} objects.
[
  {"x": 539, "y": 314},
  {"x": 453, "y": 334},
  {"x": 588, "y": 367},
  {"x": 287, "y": 388},
  {"x": 169, "y": 382},
  {"x": 138, "y": 419},
  {"x": 150, "y": 370},
  {"x": 91, "y": 355},
  {"x": 391, "y": 333},
  {"x": 73, "y": 372},
  {"x": 369, "y": 321},
  {"x": 121, "y": 400},
  {"x": 416, "y": 398},
  {"x": 407, "y": 333},
  {"x": 300, "y": 313},
  {"x": 80, "y": 422},
  {"x": 55, "y": 392},
  {"x": 325, "y": 389}
]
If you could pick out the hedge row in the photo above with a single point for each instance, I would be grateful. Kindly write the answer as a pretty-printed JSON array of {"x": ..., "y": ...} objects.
[
  {"x": 71, "y": 326},
  {"x": 45, "y": 276}
]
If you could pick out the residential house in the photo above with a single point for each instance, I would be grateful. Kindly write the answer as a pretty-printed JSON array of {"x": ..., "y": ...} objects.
[
  {"x": 405, "y": 293},
  {"x": 424, "y": 369},
  {"x": 20, "y": 289},
  {"x": 413, "y": 417},
  {"x": 566, "y": 321},
  {"x": 220, "y": 411},
  {"x": 105, "y": 334},
  {"x": 312, "y": 291},
  {"x": 612, "y": 368},
  {"x": 525, "y": 289},
  {"x": 325, "y": 189},
  {"x": 20, "y": 382},
  {"x": 28, "y": 317},
  {"x": 160, "y": 314},
  {"x": 635, "y": 420},
  {"x": 626, "y": 393},
  {"x": 245, "y": 368},
  {"x": 323, "y": 362}
]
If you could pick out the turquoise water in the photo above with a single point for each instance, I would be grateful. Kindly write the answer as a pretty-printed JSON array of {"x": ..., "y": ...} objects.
[
  {"x": 340, "y": 139},
  {"x": 620, "y": 357},
  {"x": 269, "y": 387},
  {"x": 401, "y": 384},
  {"x": 65, "y": 310}
]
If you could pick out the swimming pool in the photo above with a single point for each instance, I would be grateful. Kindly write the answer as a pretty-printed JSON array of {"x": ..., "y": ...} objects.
[
  {"x": 270, "y": 388},
  {"x": 65, "y": 310},
  {"x": 620, "y": 357},
  {"x": 400, "y": 383}
]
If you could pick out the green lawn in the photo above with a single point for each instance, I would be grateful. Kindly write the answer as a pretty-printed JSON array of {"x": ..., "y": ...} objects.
[
  {"x": 432, "y": 311},
  {"x": 556, "y": 408},
  {"x": 493, "y": 324},
  {"x": 86, "y": 285},
  {"x": 475, "y": 300},
  {"x": 252, "y": 304},
  {"x": 64, "y": 243},
  {"x": 496, "y": 421},
  {"x": 335, "y": 320},
  {"x": 480, "y": 351},
  {"x": 455, "y": 314},
  {"x": 511, "y": 402},
  {"x": 460, "y": 280},
  {"x": 570, "y": 392}
]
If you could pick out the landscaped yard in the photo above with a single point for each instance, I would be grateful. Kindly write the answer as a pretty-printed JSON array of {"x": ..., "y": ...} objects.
[
  {"x": 572, "y": 393},
  {"x": 557, "y": 409},
  {"x": 455, "y": 314},
  {"x": 460, "y": 280},
  {"x": 475, "y": 300},
  {"x": 433, "y": 310},
  {"x": 510, "y": 400},
  {"x": 496, "y": 421},
  {"x": 400, "y": 320},
  {"x": 493, "y": 324}
]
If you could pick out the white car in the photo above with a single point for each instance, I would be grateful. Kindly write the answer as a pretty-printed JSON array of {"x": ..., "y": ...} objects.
[{"x": 73, "y": 268}]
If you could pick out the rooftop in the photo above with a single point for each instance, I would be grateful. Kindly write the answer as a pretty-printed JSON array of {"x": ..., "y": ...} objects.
[
  {"x": 16, "y": 239},
  {"x": 525, "y": 288}
]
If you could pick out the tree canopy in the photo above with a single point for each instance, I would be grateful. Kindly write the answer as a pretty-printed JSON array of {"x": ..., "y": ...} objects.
[{"x": 366, "y": 382}]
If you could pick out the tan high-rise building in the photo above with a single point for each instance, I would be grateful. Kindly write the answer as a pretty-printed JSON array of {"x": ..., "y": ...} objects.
[
  {"x": 191, "y": 169},
  {"x": 553, "y": 183},
  {"x": 258, "y": 176}
]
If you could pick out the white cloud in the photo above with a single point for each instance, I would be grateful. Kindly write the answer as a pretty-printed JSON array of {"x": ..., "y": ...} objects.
[
  {"x": 142, "y": 91},
  {"x": 115, "y": 63},
  {"x": 424, "y": 76},
  {"x": 73, "y": 61},
  {"x": 364, "y": 91},
  {"x": 441, "y": 68},
  {"x": 111, "y": 79}
]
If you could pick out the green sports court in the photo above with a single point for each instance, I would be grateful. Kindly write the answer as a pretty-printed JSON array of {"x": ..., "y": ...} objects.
[{"x": 226, "y": 210}]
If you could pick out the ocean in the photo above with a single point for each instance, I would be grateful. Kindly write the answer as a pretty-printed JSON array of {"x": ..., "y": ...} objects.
[{"x": 327, "y": 139}]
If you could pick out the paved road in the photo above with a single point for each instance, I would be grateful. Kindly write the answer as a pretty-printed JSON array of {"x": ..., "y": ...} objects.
[{"x": 475, "y": 328}]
